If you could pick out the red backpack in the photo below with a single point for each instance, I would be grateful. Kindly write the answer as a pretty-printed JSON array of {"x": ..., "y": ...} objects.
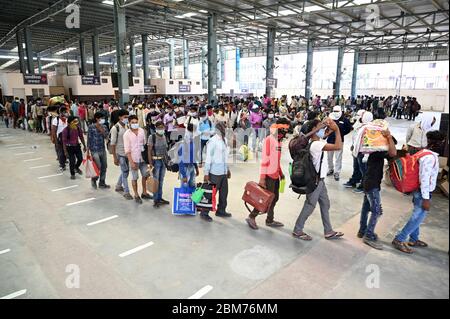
[{"x": 404, "y": 172}]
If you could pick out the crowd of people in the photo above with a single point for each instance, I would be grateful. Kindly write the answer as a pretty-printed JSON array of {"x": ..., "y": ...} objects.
[{"x": 145, "y": 136}]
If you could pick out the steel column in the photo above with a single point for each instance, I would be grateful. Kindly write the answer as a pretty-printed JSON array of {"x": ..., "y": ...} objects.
[
  {"x": 132, "y": 57},
  {"x": 339, "y": 73},
  {"x": 186, "y": 59},
  {"x": 270, "y": 63},
  {"x": 82, "y": 56},
  {"x": 95, "y": 54},
  {"x": 238, "y": 66},
  {"x": 212, "y": 58},
  {"x": 29, "y": 51},
  {"x": 309, "y": 66},
  {"x": 355, "y": 73},
  {"x": 204, "y": 67},
  {"x": 23, "y": 67},
  {"x": 171, "y": 59},
  {"x": 145, "y": 66},
  {"x": 120, "y": 29}
]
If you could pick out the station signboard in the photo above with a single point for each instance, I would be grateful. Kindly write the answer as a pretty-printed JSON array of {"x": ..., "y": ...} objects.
[
  {"x": 35, "y": 79},
  {"x": 90, "y": 80}
]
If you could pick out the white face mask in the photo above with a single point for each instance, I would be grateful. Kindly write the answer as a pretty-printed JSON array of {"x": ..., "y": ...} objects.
[
  {"x": 160, "y": 132},
  {"x": 102, "y": 121},
  {"x": 271, "y": 116},
  {"x": 134, "y": 126}
]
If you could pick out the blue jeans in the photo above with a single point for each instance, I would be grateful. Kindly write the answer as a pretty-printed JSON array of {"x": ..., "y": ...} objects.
[
  {"x": 125, "y": 171},
  {"x": 412, "y": 227},
  {"x": 372, "y": 203},
  {"x": 190, "y": 175},
  {"x": 362, "y": 166},
  {"x": 158, "y": 173},
  {"x": 356, "y": 176},
  {"x": 101, "y": 160}
]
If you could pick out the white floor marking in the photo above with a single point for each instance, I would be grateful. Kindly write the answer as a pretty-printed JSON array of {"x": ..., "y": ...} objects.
[
  {"x": 50, "y": 176},
  {"x": 81, "y": 201},
  {"x": 102, "y": 220},
  {"x": 17, "y": 147},
  {"x": 15, "y": 294},
  {"x": 42, "y": 166},
  {"x": 11, "y": 145},
  {"x": 20, "y": 154},
  {"x": 33, "y": 159},
  {"x": 201, "y": 292},
  {"x": 134, "y": 250},
  {"x": 64, "y": 188},
  {"x": 5, "y": 251}
]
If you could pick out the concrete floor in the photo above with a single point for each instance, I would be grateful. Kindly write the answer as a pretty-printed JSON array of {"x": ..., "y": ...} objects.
[{"x": 41, "y": 237}]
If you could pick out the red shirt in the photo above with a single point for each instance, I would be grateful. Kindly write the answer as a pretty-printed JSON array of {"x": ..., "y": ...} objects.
[
  {"x": 82, "y": 112},
  {"x": 271, "y": 158}
]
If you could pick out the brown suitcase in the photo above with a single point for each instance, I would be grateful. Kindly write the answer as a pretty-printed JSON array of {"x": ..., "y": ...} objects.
[{"x": 258, "y": 197}]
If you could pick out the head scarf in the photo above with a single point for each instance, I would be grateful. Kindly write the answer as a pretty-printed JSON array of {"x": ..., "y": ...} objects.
[
  {"x": 367, "y": 117},
  {"x": 427, "y": 121}
]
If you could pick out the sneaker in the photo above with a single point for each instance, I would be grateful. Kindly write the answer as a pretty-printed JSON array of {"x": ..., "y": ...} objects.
[
  {"x": 349, "y": 185},
  {"x": 224, "y": 214},
  {"x": 330, "y": 172},
  {"x": 146, "y": 196},
  {"x": 360, "y": 235},
  {"x": 127, "y": 196},
  {"x": 138, "y": 200},
  {"x": 72, "y": 177},
  {"x": 156, "y": 204},
  {"x": 206, "y": 217},
  {"x": 78, "y": 171},
  {"x": 62, "y": 169},
  {"x": 336, "y": 177},
  {"x": 274, "y": 224},
  {"x": 164, "y": 202},
  {"x": 119, "y": 189},
  {"x": 94, "y": 184},
  {"x": 252, "y": 223},
  {"x": 104, "y": 186},
  {"x": 372, "y": 243},
  {"x": 358, "y": 190}
]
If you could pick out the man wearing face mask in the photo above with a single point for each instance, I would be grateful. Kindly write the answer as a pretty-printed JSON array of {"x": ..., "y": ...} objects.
[
  {"x": 345, "y": 127},
  {"x": 188, "y": 159},
  {"x": 97, "y": 133},
  {"x": 216, "y": 170},
  {"x": 119, "y": 155},
  {"x": 157, "y": 152},
  {"x": 205, "y": 129},
  {"x": 271, "y": 173},
  {"x": 59, "y": 123},
  {"x": 168, "y": 120},
  {"x": 268, "y": 122},
  {"x": 133, "y": 142},
  {"x": 72, "y": 135}
]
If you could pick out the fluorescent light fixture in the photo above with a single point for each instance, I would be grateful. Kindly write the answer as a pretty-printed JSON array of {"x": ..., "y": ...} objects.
[
  {"x": 313, "y": 8},
  {"x": 65, "y": 51},
  {"x": 286, "y": 12},
  {"x": 49, "y": 65},
  {"x": 107, "y": 53},
  {"x": 186, "y": 15},
  {"x": 108, "y": 2},
  {"x": 203, "y": 11},
  {"x": 9, "y": 63}
]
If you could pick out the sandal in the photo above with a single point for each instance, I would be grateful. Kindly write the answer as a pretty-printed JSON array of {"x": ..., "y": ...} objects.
[
  {"x": 303, "y": 236},
  {"x": 403, "y": 247},
  {"x": 418, "y": 243},
  {"x": 334, "y": 235}
]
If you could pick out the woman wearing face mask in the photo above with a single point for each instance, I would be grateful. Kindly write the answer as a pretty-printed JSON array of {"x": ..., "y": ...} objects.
[
  {"x": 72, "y": 135},
  {"x": 320, "y": 194},
  {"x": 97, "y": 133}
]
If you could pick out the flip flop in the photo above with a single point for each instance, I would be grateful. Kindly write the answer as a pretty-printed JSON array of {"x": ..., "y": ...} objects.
[
  {"x": 335, "y": 235},
  {"x": 304, "y": 236},
  {"x": 418, "y": 243}
]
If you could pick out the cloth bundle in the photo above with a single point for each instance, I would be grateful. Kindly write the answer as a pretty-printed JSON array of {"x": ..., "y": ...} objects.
[{"x": 369, "y": 138}]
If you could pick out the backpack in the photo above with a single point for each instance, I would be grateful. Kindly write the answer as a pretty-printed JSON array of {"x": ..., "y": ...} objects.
[
  {"x": 108, "y": 143},
  {"x": 297, "y": 144},
  {"x": 172, "y": 159},
  {"x": 304, "y": 177},
  {"x": 404, "y": 172}
]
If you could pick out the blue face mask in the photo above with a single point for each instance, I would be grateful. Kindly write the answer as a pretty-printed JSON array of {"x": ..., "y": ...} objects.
[
  {"x": 125, "y": 121},
  {"x": 321, "y": 133}
]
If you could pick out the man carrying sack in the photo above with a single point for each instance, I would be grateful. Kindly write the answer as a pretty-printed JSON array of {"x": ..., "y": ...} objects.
[{"x": 271, "y": 172}]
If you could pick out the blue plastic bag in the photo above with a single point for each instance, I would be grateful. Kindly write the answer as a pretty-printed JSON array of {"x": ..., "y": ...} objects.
[{"x": 182, "y": 201}]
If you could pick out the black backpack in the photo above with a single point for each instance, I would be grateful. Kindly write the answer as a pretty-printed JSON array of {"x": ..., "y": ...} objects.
[{"x": 304, "y": 177}]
